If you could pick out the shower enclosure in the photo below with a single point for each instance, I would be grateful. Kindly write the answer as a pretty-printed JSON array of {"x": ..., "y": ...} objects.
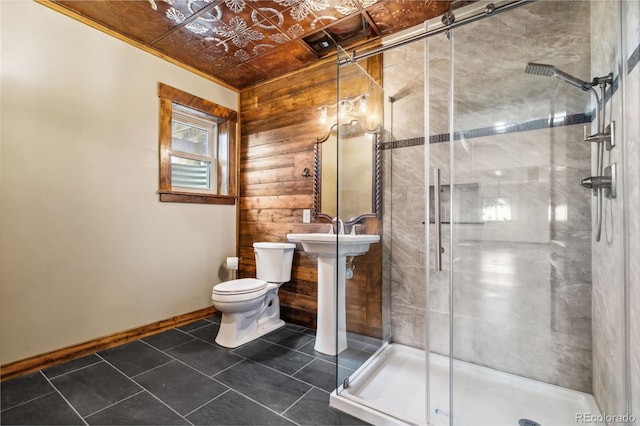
[{"x": 503, "y": 304}]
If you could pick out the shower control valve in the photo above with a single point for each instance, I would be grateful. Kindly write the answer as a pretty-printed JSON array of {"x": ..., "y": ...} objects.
[
  {"x": 608, "y": 137},
  {"x": 592, "y": 182},
  {"x": 606, "y": 183}
]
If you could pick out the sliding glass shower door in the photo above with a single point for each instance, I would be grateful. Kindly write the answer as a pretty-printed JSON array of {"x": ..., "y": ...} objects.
[
  {"x": 516, "y": 224},
  {"x": 503, "y": 245}
]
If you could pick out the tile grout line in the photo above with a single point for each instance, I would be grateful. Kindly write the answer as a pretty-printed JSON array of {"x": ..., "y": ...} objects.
[
  {"x": 65, "y": 399},
  {"x": 293, "y": 349},
  {"x": 278, "y": 371},
  {"x": 170, "y": 347},
  {"x": 190, "y": 366},
  {"x": 31, "y": 400},
  {"x": 280, "y": 346},
  {"x": 72, "y": 371},
  {"x": 151, "y": 369},
  {"x": 169, "y": 407},
  {"x": 231, "y": 366},
  {"x": 197, "y": 328},
  {"x": 298, "y": 400},
  {"x": 215, "y": 345},
  {"x": 261, "y": 404},
  {"x": 303, "y": 367},
  {"x": 115, "y": 403},
  {"x": 208, "y": 402},
  {"x": 316, "y": 357},
  {"x": 145, "y": 390},
  {"x": 198, "y": 371}
]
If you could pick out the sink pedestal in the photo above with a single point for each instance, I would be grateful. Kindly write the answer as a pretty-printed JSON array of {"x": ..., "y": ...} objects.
[
  {"x": 332, "y": 251},
  {"x": 332, "y": 317}
]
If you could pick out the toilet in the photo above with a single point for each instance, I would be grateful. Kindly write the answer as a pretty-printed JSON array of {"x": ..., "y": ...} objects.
[{"x": 250, "y": 306}]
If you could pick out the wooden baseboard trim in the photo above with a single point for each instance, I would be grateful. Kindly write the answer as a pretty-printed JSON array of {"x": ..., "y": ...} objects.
[{"x": 38, "y": 362}]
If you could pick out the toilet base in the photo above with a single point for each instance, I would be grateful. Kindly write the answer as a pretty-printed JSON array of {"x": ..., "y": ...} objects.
[
  {"x": 238, "y": 328},
  {"x": 230, "y": 337}
]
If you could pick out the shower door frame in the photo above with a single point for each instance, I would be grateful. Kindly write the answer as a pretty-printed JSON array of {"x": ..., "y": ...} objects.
[{"x": 429, "y": 32}]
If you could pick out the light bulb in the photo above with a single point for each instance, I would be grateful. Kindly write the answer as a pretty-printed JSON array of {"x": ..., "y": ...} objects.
[
  {"x": 323, "y": 114},
  {"x": 344, "y": 109},
  {"x": 363, "y": 104}
]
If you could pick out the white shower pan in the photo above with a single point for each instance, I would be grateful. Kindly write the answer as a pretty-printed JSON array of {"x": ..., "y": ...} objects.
[{"x": 389, "y": 389}]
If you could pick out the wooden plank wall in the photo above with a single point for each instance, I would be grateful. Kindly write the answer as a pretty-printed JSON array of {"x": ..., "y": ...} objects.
[{"x": 279, "y": 122}]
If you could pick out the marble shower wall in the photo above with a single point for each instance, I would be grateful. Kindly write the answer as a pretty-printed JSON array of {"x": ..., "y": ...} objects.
[
  {"x": 522, "y": 287},
  {"x": 631, "y": 105},
  {"x": 403, "y": 199},
  {"x": 631, "y": 12}
]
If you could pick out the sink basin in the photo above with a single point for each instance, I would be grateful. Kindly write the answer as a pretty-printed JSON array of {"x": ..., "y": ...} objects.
[
  {"x": 332, "y": 245},
  {"x": 332, "y": 251}
]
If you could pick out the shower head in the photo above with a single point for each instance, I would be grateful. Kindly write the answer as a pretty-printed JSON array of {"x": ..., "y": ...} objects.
[
  {"x": 551, "y": 71},
  {"x": 540, "y": 69}
]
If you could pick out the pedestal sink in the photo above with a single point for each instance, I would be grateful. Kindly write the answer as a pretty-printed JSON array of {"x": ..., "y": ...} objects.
[{"x": 332, "y": 251}]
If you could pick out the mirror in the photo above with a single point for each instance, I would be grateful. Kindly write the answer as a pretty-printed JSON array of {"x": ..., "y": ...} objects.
[{"x": 358, "y": 170}]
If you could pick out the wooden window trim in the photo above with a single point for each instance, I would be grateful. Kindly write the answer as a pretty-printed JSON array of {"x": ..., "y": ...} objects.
[{"x": 168, "y": 96}]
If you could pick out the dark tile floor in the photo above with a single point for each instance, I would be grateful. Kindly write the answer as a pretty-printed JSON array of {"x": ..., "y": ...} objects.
[{"x": 182, "y": 377}]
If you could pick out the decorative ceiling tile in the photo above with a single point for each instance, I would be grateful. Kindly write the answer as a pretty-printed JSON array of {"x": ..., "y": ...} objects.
[
  {"x": 206, "y": 53},
  {"x": 238, "y": 32},
  {"x": 282, "y": 17},
  {"x": 429, "y": 9},
  {"x": 245, "y": 41},
  {"x": 342, "y": 8},
  {"x": 311, "y": 15},
  {"x": 251, "y": 50},
  {"x": 367, "y": 3},
  {"x": 241, "y": 76},
  {"x": 301, "y": 27},
  {"x": 181, "y": 12},
  {"x": 126, "y": 16},
  {"x": 288, "y": 57},
  {"x": 393, "y": 16}
]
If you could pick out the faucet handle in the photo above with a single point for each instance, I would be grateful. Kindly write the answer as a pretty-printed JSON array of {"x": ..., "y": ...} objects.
[{"x": 354, "y": 227}]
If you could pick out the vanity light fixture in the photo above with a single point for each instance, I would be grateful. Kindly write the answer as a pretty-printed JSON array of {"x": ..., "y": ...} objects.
[{"x": 353, "y": 107}]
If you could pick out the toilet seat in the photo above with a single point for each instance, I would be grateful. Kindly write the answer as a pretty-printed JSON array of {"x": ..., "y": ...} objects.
[
  {"x": 240, "y": 286},
  {"x": 239, "y": 290}
]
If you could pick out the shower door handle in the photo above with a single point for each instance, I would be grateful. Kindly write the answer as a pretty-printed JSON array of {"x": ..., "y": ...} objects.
[{"x": 438, "y": 222}]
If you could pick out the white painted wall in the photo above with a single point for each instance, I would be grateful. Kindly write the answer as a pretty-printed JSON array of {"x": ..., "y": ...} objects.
[{"x": 86, "y": 248}]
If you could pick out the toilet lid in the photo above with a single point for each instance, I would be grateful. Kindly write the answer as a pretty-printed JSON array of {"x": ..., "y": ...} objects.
[{"x": 241, "y": 286}]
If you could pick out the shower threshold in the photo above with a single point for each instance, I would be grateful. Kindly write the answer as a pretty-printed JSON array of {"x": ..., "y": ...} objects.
[{"x": 389, "y": 389}]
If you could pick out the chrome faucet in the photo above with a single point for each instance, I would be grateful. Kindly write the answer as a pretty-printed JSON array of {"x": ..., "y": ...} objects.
[{"x": 340, "y": 226}]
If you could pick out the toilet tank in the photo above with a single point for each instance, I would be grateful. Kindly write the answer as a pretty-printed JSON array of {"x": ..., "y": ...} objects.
[{"x": 273, "y": 261}]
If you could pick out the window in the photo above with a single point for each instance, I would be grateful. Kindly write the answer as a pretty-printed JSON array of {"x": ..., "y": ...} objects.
[
  {"x": 496, "y": 209},
  {"x": 197, "y": 149},
  {"x": 193, "y": 150}
]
